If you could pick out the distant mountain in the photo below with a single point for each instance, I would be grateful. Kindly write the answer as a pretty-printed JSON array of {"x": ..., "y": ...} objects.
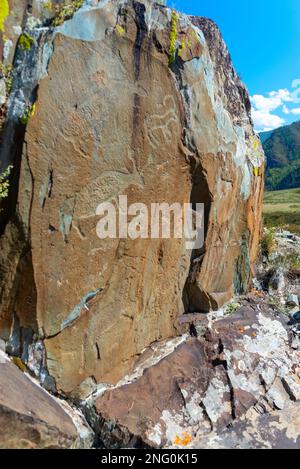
[
  {"x": 282, "y": 149},
  {"x": 265, "y": 135}
]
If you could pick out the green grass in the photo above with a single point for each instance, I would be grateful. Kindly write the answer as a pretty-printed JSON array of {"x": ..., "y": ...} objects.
[
  {"x": 282, "y": 208},
  {"x": 278, "y": 197}
]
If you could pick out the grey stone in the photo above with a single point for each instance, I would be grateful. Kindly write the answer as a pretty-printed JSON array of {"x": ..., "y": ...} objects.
[
  {"x": 292, "y": 300},
  {"x": 277, "y": 395},
  {"x": 296, "y": 316},
  {"x": 295, "y": 344},
  {"x": 2, "y": 92},
  {"x": 292, "y": 386}
]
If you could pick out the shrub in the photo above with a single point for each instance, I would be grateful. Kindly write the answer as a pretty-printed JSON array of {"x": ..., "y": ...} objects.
[
  {"x": 232, "y": 307},
  {"x": 66, "y": 11},
  {"x": 4, "y": 182},
  {"x": 6, "y": 73},
  {"x": 268, "y": 242}
]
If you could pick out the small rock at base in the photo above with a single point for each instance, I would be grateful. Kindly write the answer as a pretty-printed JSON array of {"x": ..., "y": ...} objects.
[
  {"x": 292, "y": 300},
  {"x": 296, "y": 316},
  {"x": 2, "y": 345}
]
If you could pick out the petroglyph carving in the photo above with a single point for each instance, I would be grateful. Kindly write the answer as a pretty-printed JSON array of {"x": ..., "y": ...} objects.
[{"x": 161, "y": 125}]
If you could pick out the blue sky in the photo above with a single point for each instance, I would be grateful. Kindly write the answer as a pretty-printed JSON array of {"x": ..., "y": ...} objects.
[{"x": 263, "y": 37}]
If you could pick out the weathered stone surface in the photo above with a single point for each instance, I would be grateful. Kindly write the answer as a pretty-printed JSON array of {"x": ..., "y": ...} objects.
[
  {"x": 242, "y": 367},
  {"x": 174, "y": 381},
  {"x": 115, "y": 116},
  {"x": 31, "y": 418},
  {"x": 274, "y": 430},
  {"x": 23, "y": 15},
  {"x": 13, "y": 26}
]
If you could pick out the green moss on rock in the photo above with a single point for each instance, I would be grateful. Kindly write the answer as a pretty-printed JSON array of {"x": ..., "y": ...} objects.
[{"x": 25, "y": 42}]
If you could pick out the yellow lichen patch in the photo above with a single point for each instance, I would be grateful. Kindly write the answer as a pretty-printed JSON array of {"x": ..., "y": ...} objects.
[
  {"x": 48, "y": 5},
  {"x": 25, "y": 42},
  {"x": 256, "y": 171},
  {"x": 181, "y": 48},
  {"x": 19, "y": 363},
  {"x": 173, "y": 37},
  {"x": 188, "y": 44},
  {"x": 120, "y": 30},
  {"x": 33, "y": 108},
  {"x": 255, "y": 143},
  {"x": 28, "y": 113},
  {"x": 4, "y": 12},
  {"x": 185, "y": 440}
]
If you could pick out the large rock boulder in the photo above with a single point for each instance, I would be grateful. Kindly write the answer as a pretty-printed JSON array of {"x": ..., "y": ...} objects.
[
  {"x": 30, "y": 418},
  {"x": 130, "y": 99},
  {"x": 237, "y": 385}
]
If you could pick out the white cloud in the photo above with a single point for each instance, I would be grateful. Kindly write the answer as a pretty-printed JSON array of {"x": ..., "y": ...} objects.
[
  {"x": 285, "y": 110},
  {"x": 263, "y": 107},
  {"x": 295, "y": 111},
  {"x": 265, "y": 121},
  {"x": 273, "y": 101}
]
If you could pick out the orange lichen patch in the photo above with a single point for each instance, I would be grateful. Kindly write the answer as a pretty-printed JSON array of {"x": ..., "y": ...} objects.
[
  {"x": 257, "y": 293},
  {"x": 185, "y": 441},
  {"x": 242, "y": 330}
]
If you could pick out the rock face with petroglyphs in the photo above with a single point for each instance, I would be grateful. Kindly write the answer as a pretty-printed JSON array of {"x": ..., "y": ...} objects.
[{"x": 123, "y": 99}]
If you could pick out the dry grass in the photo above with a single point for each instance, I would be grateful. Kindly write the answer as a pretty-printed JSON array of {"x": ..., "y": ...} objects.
[{"x": 282, "y": 209}]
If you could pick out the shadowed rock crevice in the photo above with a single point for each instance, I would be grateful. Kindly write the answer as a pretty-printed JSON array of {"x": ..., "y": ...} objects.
[
  {"x": 243, "y": 267},
  {"x": 220, "y": 361},
  {"x": 141, "y": 33},
  {"x": 193, "y": 298},
  {"x": 8, "y": 206},
  {"x": 17, "y": 292}
]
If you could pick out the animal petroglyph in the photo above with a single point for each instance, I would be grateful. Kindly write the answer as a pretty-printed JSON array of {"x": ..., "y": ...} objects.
[{"x": 159, "y": 127}]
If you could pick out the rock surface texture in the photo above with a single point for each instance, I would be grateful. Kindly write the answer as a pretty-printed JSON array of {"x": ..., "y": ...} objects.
[
  {"x": 30, "y": 418},
  {"x": 130, "y": 99},
  {"x": 234, "y": 386}
]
